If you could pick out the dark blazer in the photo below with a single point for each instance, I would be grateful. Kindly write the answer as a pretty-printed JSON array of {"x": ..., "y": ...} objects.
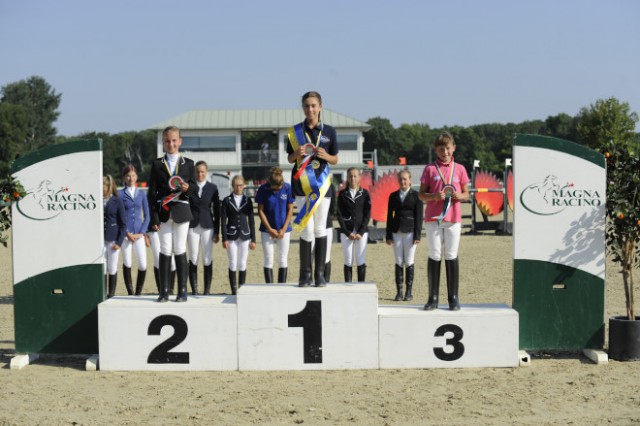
[
  {"x": 237, "y": 222},
  {"x": 354, "y": 213},
  {"x": 115, "y": 222},
  {"x": 205, "y": 209},
  {"x": 404, "y": 216},
  {"x": 159, "y": 188}
]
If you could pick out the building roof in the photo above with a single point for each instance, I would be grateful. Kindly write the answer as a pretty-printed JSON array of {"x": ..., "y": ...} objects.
[{"x": 253, "y": 119}]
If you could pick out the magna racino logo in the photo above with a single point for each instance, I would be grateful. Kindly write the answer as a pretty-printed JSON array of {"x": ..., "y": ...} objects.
[
  {"x": 44, "y": 202},
  {"x": 548, "y": 197}
]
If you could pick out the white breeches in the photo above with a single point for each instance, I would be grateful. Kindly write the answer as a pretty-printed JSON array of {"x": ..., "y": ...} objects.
[
  {"x": 403, "y": 248},
  {"x": 238, "y": 252},
  {"x": 173, "y": 237},
  {"x": 197, "y": 238},
  {"x": 283, "y": 249},
  {"x": 447, "y": 233},
  {"x": 140, "y": 250},
  {"x": 110, "y": 258},
  {"x": 360, "y": 247},
  {"x": 317, "y": 224}
]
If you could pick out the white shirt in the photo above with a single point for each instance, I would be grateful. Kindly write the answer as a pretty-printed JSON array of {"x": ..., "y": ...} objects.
[{"x": 403, "y": 194}]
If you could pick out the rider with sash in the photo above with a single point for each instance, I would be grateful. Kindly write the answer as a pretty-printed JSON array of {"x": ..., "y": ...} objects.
[{"x": 312, "y": 148}]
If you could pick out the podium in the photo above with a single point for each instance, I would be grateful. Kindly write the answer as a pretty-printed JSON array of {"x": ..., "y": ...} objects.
[{"x": 285, "y": 327}]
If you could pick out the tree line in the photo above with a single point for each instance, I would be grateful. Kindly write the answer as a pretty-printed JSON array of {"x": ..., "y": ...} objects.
[{"x": 29, "y": 110}]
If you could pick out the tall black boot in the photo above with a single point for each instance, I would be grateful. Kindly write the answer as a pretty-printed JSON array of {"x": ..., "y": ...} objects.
[
  {"x": 111, "y": 279},
  {"x": 408, "y": 279},
  {"x": 348, "y": 274},
  {"x": 182, "y": 274},
  {"x": 208, "y": 273},
  {"x": 305, "y": 264},
  {"x": 433, "y": 278},
  {"x": 242, "y": 277},
  {"x": 232, "y": 282},
  {"x": 327, "y": 271},
  {"x": 452, "y": 268},
  {"x": 128, "y": 282},
  {"x": 172, "y": 281},
  {"x": 140, "y": 282},
  {"x": 282, "y": 275},
  {"x": 156, "y": 277},
  {"x": 320, "y": 252},
  {"x": 399, "y": 274},
  {"x": 165, "y": 275},
  {"x": 193, "y": 278},
  {"x": 362, "y": 273},
  {"x": 268, "y": 275}
]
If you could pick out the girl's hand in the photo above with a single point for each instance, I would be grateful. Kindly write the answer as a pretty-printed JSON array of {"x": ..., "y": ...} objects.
[
  {"x": 115, "y": 247},
  {"x": 225, "y": 245},
  {"x": 416, "y": 242},
  {"x": 252, "y": 245},
  {"x": 389, "y": 242},
  {"x": 147, "y": 240},
  {"x": 216, "y": 238}
]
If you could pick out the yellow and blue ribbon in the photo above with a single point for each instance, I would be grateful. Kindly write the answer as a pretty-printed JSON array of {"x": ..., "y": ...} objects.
[{"x": 314, "y": 187}]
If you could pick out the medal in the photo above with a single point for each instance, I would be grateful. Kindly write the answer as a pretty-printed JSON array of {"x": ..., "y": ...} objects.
[
  {"x": 448, "y": 190},
  {"x": 315, "y": 164}
]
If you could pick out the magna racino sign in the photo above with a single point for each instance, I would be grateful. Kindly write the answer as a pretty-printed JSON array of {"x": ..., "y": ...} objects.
[
  {"x": 46, "y": 201},
  {"x": 547, "y": 197}
]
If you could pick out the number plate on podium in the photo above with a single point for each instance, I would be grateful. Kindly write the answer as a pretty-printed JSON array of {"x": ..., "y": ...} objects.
[
  {"x": 137, "y": 333},
  {"x": 285, "y": 327},
  {"x": 475, "y": 336}
]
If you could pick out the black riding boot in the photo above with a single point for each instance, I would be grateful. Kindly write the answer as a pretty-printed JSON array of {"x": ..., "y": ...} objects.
[
  {"x": 348, "y": 274},
  {"x": 208, "y": 273},
  {"x": 182, "y": 273},
  {"x": 232, "y": 282},
  {"x": 408, "y": 279},
  {"x": 193, "y": 278},
  {"x": 327, "y": 271},
  {"x": 268, "y": 275},
  {"x": 111, "y": 279},
  {"x": 399, "y": 274},
  {"x": 362, "y": 273},
  {"x": 140, "y": 282},
  {"x": 242, "y": 277},
  {"x": 320, "y": 252},
  {"x": 128, "y": 282},
  {"x": 165, "y": 275},
  {"x": 282, "y": 275},
  {"x": 305, "y": 264},
  {"x": 172, "y": 281},
  {"x": 156, "y": 277},
  {"x": 452, "y": 269},
  {"x": 433, "y": 278}
]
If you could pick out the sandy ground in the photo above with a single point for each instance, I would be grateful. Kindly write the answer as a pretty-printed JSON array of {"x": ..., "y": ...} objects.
[{"x": 554, "y": 389}]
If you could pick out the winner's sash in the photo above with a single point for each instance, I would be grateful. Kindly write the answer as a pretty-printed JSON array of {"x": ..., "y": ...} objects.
[{"x": 314, "y": 188}]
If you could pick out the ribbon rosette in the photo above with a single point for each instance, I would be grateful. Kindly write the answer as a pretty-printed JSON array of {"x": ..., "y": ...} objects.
[
  {"x": 448, "y": 193},
  {"x": 175, "y": 183}
]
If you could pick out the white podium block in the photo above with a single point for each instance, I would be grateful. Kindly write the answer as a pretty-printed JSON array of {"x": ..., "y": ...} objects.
[
  {"x": 474, "y": 336},
  {"x": 285, "y": 327},
  {"x": 137, "y": 333}
]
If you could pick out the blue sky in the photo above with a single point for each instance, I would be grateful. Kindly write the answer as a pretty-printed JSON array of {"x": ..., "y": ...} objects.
[{"x": 126, "y": 65}]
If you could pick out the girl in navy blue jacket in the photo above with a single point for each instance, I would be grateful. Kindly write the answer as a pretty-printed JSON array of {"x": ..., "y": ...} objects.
[
  {"x": 238, "y": 231},
  {"x": 115, "y": 228},
  {"x": 136, "y": 209}
]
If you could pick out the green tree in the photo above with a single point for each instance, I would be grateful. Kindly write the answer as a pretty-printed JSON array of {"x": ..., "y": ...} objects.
[
  {"x": 381, "y": 136},
  {"x": 13, "y": 123},
  {"x": 609, "y": 126},
  {"x": 40, "y": 103},
  {"x": 607, "y": 120}
]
